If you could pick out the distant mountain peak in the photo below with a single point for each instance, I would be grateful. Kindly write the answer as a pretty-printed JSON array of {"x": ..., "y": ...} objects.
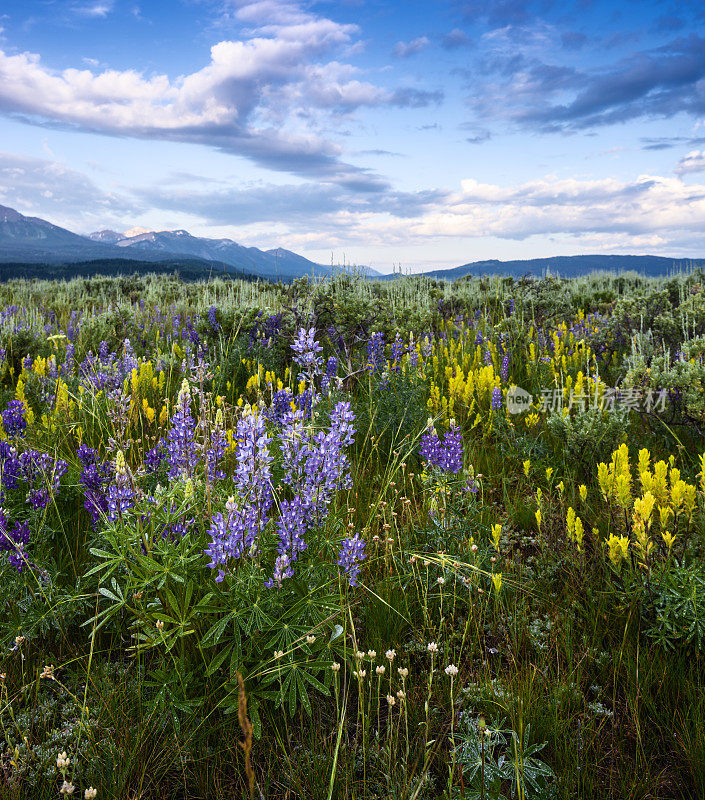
[
  {"x": 9, "y": 214},
  {"x": 34, "y": 240},
  {"x": 108, "y": 236},
  {"x": 136, "y": 231}
]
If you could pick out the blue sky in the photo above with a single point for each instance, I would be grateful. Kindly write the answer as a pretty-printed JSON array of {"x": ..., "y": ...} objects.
[{"x": 386, "y": 133}]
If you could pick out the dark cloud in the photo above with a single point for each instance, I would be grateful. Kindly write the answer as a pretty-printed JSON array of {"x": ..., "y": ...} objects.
[{"x": 662, "y": 82}]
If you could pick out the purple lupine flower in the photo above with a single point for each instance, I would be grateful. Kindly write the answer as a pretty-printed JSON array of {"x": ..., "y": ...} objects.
[
  {"x": 453, "y": 445},
  {"x": 375, "y": 353},
  {"x": 94, "y": 478},
  {"x": 291, "y": 527},
  {"x": 316, "y": 466},
  {"x": 504, "y": 374},
  {"x": 352, "y": 554},
  {"x": 431, "y": 447},
  {"x": 329, "y": 374},
  {"x": 13, "y": 420},
  {"x": 215, "y": 453},
  {"x": 213, "y": 319},
  {"x": 14, "y": 542},
  {"x": 129, "y": 359},
  {"x": 181, "y": 447},
  {"x": 272, "y": 327},
  {"x": 307, "y": 355},
  {"x": 305, "y": 402},
  {"x": 238, "y": 533},
  {"x": 43, "y": 474},
  {"x": 9, "y": 467},
  {"x": 121, "y": 493},
  {"x": 282, "y": 570},
  {"x": 327, "y": 466},
  {"x": 280, "y": 406},
  {"x": 496, "y": 403},
  {"x": 27, "y": 362},
  {"x": 446, "y": 455},
  {"x": 488, "y": 358},
  {"x": 69, "y": 360},
  {"x": 413, "y": 353},
  {"x": 307, "y": 351},
  {"x": 154, "y": 458},
  {"x": 397, "y": 353}
]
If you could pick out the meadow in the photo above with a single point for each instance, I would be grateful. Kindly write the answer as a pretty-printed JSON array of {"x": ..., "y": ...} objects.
[{"x": 310, "y": 540}]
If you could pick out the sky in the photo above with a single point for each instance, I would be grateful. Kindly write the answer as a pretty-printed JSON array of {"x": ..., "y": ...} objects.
[{"x": 401, "y": 135}]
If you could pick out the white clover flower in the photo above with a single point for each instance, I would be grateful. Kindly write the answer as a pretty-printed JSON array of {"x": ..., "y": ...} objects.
[
  {"x": 335, "y": 666},
  {"x": 360, "y": 674},
  {"x": 390, "y": 654},
  {"x": 401, "y": 694},
  {"x": 390, "y": 700},
  {"x": 403, "y": 671},
  {"x": 372, "y": 653},
  {"x": 66, "y": 788},
  {"x": 359, "y": 655},
  {"x": 310, "y": 639},
  {"x": 473, "y": 547},
  {"x": 451, "y": 670},
  {"x": 432, "y": 647},
  {"x": 440, "y": 580},
  {"x": 160, "y": 624},
  {"x": 278, "y": 654},
  {"x": 379, "y": 670},
  {"x": 62, "y": 760},
  {"x": 90, "y": 793}
]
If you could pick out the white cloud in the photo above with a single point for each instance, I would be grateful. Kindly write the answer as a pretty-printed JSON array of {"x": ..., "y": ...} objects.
[
  {"x": 648, "y": 205},
  {"x": 647, "y": 214},
  {"x": 97, "y": 9},
  {"x": 692, "y": 162},
  {"x": 406, "y": 49},
  {"x": 265, "y": 96}
]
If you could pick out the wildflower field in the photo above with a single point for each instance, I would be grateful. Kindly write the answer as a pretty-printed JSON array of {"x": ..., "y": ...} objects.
[{"x": 309, "y": 541}]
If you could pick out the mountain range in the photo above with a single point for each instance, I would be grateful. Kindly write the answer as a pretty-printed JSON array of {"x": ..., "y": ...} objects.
[
  {"x": 31, "y": 240},
  {"x": 26, "y": 243},
  {"x": 571, "y": 266}
]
